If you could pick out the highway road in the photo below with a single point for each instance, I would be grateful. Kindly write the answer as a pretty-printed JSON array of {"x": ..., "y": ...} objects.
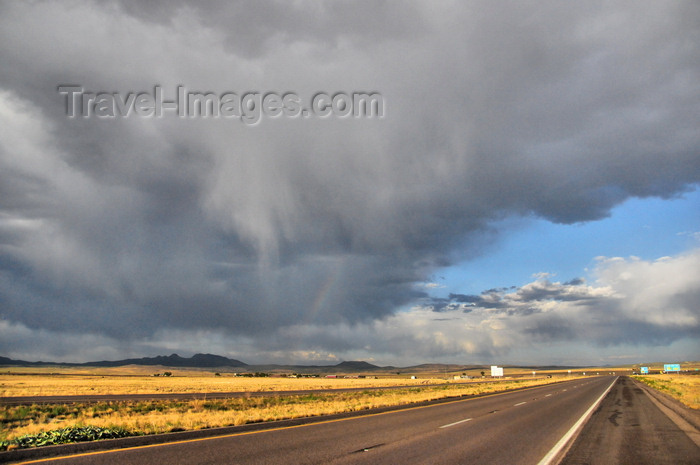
[
  {"x": 520, "y": 427},
  {"x": 629, "y": 428}
]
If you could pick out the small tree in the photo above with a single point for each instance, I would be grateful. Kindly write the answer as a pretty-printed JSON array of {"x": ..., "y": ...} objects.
[{"x": 167, "y": 373}]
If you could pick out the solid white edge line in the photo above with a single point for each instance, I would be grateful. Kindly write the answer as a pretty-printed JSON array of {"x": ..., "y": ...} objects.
[
  {"x": 547, "y": 459},
  {"x": 455, "y": 423},
  {"x": 520, "y": 403}
]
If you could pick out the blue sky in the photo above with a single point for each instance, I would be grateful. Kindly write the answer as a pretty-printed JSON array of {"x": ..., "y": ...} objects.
[{"x": 648, "y": 228}]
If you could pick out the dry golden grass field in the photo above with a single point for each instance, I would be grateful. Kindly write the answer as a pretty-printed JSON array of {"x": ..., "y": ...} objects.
[
  {"x": 73, "y": 384},
  {"x": 48, "y": 381},
  {"x": 132, "y": 379},
  {"x": 158, "y": 416},
  {"x": 685, "y": 388}
]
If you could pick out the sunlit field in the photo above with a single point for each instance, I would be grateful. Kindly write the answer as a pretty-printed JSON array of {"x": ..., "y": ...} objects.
[
  {"x": 685, "y": 388},
  {"x": 27, "y": 381},
  {"x": 161, "y": 416},
  {"x": 46, "y": 385}
]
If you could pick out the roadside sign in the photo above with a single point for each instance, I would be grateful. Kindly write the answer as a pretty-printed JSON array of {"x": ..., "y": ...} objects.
[
  {"x": 672, "y": 367},
  {"x": 644, "y": 370}
]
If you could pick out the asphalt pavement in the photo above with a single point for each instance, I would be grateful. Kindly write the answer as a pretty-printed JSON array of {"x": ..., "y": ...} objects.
[
  {"x": 528, "y": 426},
  {"x": 628, "y": 428},
  {"x": 517, "y": 427}
]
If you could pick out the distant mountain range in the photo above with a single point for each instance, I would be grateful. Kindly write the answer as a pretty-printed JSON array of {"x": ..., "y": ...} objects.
[
  {"x": 199, "y": 361},
  {"x": 174, "y": 360},
  {"x": 225, "y": 364}
]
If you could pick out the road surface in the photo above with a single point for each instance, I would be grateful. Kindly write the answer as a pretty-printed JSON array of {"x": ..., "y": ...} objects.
[
  {"x": 629, "y": 428},
  {"x": 520, "y": 427}
]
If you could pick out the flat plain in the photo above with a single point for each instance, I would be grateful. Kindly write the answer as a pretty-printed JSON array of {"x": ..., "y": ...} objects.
[
  {"x": 164, "y": 415},
  {"x": 152, "y": 416}
]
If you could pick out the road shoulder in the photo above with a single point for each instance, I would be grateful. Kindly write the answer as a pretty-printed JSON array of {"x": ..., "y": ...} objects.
[
  {"x": 628, "y": 427},
  {"x": 686, "y": 418}
]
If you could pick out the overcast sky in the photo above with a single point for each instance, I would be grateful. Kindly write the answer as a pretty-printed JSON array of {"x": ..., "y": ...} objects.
[{"x": 530, "y": 194}]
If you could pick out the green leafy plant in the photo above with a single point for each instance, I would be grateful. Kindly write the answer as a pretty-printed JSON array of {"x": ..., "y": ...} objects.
[{"x": 64, "y": 436}]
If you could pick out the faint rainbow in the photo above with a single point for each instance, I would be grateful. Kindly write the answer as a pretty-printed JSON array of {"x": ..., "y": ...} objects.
[{"x": 323, "y": 292}]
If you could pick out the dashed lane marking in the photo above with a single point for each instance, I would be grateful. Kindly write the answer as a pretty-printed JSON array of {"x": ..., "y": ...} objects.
[{"x": 456, "y": 423}]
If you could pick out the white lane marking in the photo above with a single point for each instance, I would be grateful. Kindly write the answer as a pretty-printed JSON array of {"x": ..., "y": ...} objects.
[
  {"x": 547, "y": 459},
  {"x": 548, "y": 395},
  {"x": 455, "y": 423},
  {"x": 521, "y": 403}
]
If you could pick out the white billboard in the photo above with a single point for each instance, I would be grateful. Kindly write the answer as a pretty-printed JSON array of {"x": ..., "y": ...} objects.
[{"x": 496, "y": 370}]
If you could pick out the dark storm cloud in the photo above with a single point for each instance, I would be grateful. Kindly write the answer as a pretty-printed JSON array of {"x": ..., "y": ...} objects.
[
  {"x": 552, "y": 329},
  {"x": 488, "y": 299},
  {"x": 123, "y": 227},
  {"x": 502, "y": 298},
  {"x": 513, "y": 300},
  {"x": 251, "y": 29}
]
